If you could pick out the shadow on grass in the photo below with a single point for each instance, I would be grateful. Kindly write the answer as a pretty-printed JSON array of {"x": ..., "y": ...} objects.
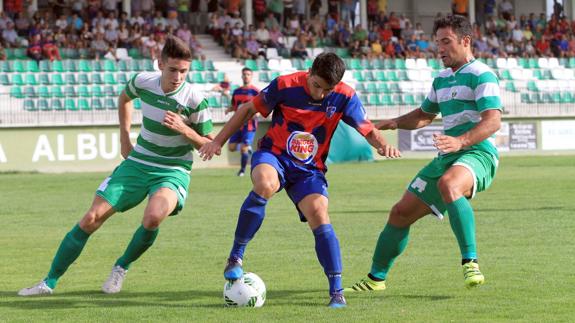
[
  {"x": 166, "y": 299},
  {"x": 514, "y": 210},
  {"x": 423, "y": 297},
  {"x": 379, "y": 211}
]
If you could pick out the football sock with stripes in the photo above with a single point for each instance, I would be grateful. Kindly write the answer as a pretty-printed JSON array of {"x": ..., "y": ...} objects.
[
  {"x": 251, "y": 216},
  {"x": 391, "y": 243},
  {"x": 69, "y": 250},
  {"x": 329, "y": 255},
  {"x": 462, "y": 223},
  {"x": 141, "y": 241}
]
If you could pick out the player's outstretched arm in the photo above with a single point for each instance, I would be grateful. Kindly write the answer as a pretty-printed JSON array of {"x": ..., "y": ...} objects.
[
  {"x": 489, "y": 124},
  {"x": 175, "y": 122},
  {"x": 412, "y": 120},
  {"x": 125, "y": 108},
  {"x": 376, "y": 140},
  {"x": 243, "y": 114}
]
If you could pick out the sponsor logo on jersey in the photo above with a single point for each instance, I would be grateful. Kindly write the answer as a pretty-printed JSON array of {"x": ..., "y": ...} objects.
[{"x": 302, "y": 146}]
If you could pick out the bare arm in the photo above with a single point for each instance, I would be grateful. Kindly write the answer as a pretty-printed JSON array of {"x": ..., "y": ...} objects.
[
  {"x": 125, "y": 109},
  {"x": 240, "y": 117},
  {"x": 412, "y": 120},
  {"x": 376, "y": 140},
  {"x": 489, "y": 124},
  {"x": 175, "y": 122}
]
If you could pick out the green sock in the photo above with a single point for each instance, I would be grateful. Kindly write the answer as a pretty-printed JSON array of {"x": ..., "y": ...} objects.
[
  {"x": 391, "y": 243},
  {"x": 69, "y": 250},
  {"x": 141, "y": 241},
  {"x": 463, "y": 225}
]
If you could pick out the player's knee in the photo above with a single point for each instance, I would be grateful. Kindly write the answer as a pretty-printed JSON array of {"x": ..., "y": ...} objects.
[
  {"x": 90, "y": 222},
  {"x": 399, "y": 217},
  {"x": 152, "y": 221},
  {"x": 266, "y": 188}
]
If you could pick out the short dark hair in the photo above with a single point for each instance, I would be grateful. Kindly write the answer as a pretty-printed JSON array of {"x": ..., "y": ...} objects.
[
  {"x": 176, "y": 48},
  {"x": 459, "y": 24},
  {"x": 329, "y": 67},
  {"x": 247, "y": 69}
]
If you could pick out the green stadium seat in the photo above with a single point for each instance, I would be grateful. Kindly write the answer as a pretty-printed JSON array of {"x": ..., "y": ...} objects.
[
  {"x": 567, "y": 97},
  {"x": 45, "y": 66},
  {"x": 84, "y": 105},
  {"x": 264, "y": 77},
  {"x": 532, "y": 63},
  {"x": 409, "y": 99},
  {"x": 382, "y": 87},
  {"x": 44, "y": 92},
  {"x": 214, "y": 102},
  {"x": 69, "y": 65},
  {"x": 109, "y": 78},
  {"x": 122, "y": 78},
  {"x": 211, "y": 77},
  {"x": 555, "y": 97},
  {"x": 263, "y": 65},
  {"x": 209, "y": 65},
  {"x": 148, "y": 65},
  {"x": 97, "y": 78},
  {"x": 84, "y": 53},
  {"x": 373, "y": 99},
  {"x": 134, "y": 53},
  {"x": 109, "y": 90},
  {"x": 84, "y": 66},
  {"x": 97, "y": 91},
  {"x": 29, "y": 92},
  {"x": 17, "y": 79},
  {"x": 434, "y": 63},
  {"x": 510, "y": 86},
  {"x": 97, "y": 66},
  {"x": 19, "y": 67},
  {"x": 31, "y": 79},
  {"x": 123, "y": 66},
  {"x": 57, "y": 92},
  {"x": 358, "y": 75},
  {"x": 57, "y": 66},
  {"x": 43, "y": 105},
  {"x": 57, "y": 104},
  {"x": 387, "y": 99},
  {"x": 394, "y": 88},
  {"x": 57, "y": 79},
  {"x": 30, "y": 105},
  {"x": 16, "y": 92},
  {"x": 251, "y": 64},
  {"x": 110, "y": 66},
  {"x": 198, "y": 78},
  {"x": 504, "y": 75},
  {"x": 83, "y": 78},
  {"x": 399, "y": 63},
  {"x": 371, "y": 87},
  {"x": 342, "y": 52},
  {"x": 9, "y": 53},
  {"x": 97, "y": 104},
  {"x": 44, "y": 79},
  {"x": 70, "y": 105},
  {"x": 380, "y": 76},
  {"x": 119, "y": 89},
  {"x": 71, "y": 79},
  {"x": 110, "y": 104},
  {"x": 532, "y": 86},
  {"x": 69, "y": 91},
  {"x": 225, "y": 101},
  {"x": 32, "y": 66},
  {"x": 368, "y": 76},
  {"x": 571, "y": 62},
  {"x": 83, "y": 91},
  {"x": 392, "y": 76},
  {"x": 20, "y": 53},
  {"x": 354, "y": 64},
  {"x": 5, "y": 66},
  {"x": 4, "y": 80}
]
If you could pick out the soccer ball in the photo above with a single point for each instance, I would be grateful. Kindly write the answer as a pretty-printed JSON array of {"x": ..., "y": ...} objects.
[{"x": 248, "y": 291}]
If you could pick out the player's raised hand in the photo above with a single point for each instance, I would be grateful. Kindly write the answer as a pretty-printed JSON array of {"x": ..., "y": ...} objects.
[
  {"x": 388, "y": 124},
  {"x": 446, "y": 144},
  {"x": 174, "y": 121},
  {"x": 389, "y": 151},
  {"x": 210, "y": 149}
]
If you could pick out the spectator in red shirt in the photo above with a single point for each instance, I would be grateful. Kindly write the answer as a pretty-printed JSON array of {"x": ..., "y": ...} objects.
[{"x": 49, "y": 48}]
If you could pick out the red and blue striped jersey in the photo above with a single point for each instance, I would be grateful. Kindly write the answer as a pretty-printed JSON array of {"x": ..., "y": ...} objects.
[
  {"x": 242, "y": 95},
  {"x": 301, "y": 127}
]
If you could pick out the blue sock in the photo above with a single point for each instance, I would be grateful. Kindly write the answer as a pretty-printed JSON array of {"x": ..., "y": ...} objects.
[
  {"x": 249, "y": 221},
  {"x": 329, "y": 256},
  {"x": 244, "y": 161}
]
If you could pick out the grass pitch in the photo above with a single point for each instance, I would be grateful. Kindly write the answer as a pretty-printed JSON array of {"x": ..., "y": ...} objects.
[{"x": 525, "y": 229}]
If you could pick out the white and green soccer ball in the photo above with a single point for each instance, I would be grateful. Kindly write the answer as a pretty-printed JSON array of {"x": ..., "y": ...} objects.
[{"x": 248, "y": 291}]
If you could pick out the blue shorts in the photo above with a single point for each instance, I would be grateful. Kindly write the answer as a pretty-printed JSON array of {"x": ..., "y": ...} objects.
[
  {"x": 297, "y": 180},
  {"x": 243, "y": 136}
]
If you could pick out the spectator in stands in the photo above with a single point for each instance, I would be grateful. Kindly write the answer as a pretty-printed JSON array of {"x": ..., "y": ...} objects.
[
  {"x": 62, "y": 22},
  {"x": 318, "y": 26},
  {"x": 299, "y": 9},
  {"x": 376, "y": 49},
  {"x": 21, "y": 23},
  {"x": 34, "y": 50},
  {"x": 298, "y": 49},
  {"x": 314, "y": 7},
  {"x": 4, "y": 19},
  {"x": 226, "y": 37},
  {"x": 354, "y": 49},
  {"x": 272, "y": 21},
  {"x": 259, "y": 10},
  {"x": 542, "y": 47},
  {"x": 147, "y": 6},
  {"x": 372, "y": 11},
  {"x": 276, "y": 8},
  {"x": 224, "y": 86},
  {"x": 111, "y": 35},
  {"x": 99, "y": 46},
  {"x": 10, "y": 36},
  {"x": 481, "y": 49},
  {"x": 359, "y": 33},
  {"x": 292, "y": 24},
  {"x": 50, "y": 49},
  {"x": 287, "y": 12},
  {"x": 424, "y": 46},
  {"x": 136, "y": 36},
  {"x": 137, "y": 19},
  {"x": 184, "y": 33},
  {"x": 394, "y": 24},
  {"x": 344, "y": 35},
  {"x": 253, "y": 47},
  {"x": 517, "y": 34},
  {"x": 276, "y": 38},
  {"x": 528, "y": 49},
  {"x": 459, "y": 7},
  {"x": 348, "y": 11},
  {"x": 493, "y": 43},
  {"x": 196, "y": 47},
  {"x": 263, "y": 34},
  {"x": 124, "y": 36},
  {"x": 557, "y": 9},
  {"x": 506, "y": 9},
  {"x": 159, "y": 20}
]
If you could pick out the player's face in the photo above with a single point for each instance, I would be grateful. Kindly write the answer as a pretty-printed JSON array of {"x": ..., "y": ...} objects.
[
  {"x": 247, "y": 77},
  {"x": 174, "y": 73},
  {"x": 318, "y": 87},
  {"x": 453, "y": 50}
]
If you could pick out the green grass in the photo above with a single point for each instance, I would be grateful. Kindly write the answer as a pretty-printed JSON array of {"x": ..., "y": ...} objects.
[{"x": 525, "y": 229}]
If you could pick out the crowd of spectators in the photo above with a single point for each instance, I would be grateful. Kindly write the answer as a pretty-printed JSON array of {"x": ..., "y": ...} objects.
[{"x": 96, "y": 28}]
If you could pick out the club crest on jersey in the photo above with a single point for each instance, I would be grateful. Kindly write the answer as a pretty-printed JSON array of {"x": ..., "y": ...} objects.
[
  {"x": 453, "y": 94},
  {"x": 302, "y": 146},
  {"x": 330, "y": 110}
]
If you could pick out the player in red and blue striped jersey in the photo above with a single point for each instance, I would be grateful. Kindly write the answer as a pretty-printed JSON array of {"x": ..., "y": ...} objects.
[
  {"x": 307, "y": 107},
  {"x": 245, "y": 135}
]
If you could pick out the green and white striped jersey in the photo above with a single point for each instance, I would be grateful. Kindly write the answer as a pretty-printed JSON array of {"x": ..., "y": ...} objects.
[
  {"x": 158, "y": 145},
  {"x": 460, "y": 97}
]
